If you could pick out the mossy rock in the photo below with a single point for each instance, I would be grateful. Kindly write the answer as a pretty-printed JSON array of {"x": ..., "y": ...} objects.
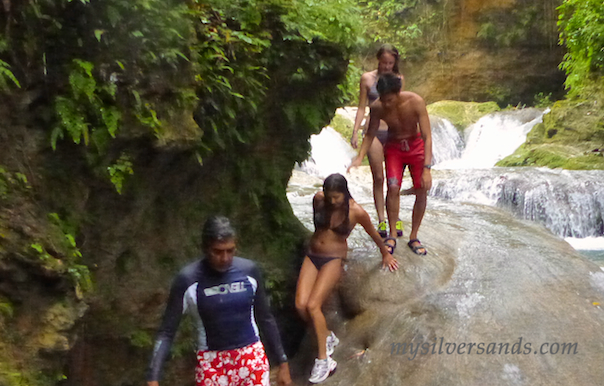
[
  {"x": 570, "y": 137},
  {"x": 342, "y": 125},
  {"x": 554, "y": 156},
  {"x": 461, "y": 114}
]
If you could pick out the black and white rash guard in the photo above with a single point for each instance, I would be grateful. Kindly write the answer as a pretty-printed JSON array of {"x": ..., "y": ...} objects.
[{"x": 227, "y": 308}]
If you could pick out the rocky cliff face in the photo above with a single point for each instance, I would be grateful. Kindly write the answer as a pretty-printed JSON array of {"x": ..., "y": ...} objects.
[
  {"x": 85, "y": 270},
  {"x": 504, "y": 51}
]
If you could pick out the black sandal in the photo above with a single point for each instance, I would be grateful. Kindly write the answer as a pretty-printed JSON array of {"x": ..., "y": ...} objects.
[
  {"x": 415, "y": 248},
  {"x": 391, "y": 248}
]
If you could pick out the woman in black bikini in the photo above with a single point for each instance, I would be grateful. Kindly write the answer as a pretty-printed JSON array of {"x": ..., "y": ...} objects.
[
  {"x": 388, "y": 61},
  {"x": 335, "y": 215}
]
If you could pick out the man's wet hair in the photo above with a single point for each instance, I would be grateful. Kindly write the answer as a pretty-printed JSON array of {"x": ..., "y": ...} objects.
[
  {"x": 216, "y": 228},
  {"x": 389, "y": 83}
]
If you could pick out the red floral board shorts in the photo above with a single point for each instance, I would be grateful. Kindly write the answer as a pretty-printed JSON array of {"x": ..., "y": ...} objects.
[
  {"x": 246, "y": 366},
  {"x": 405, "y": 152}
]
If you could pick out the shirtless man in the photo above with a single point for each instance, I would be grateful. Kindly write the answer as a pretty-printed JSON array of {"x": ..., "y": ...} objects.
[{"x": 409, "y": 143}]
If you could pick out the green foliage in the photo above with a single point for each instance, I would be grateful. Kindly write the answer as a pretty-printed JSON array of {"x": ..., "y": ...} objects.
[
  {"x": 12, "y": 375},
  {"x": 277, "y": 287},
  {"x": 331, "y": 20},
  {"x": 462, "y": 114},
  {"x": 186, "y": 339},
  {"x": 498, "y": 93},
  {"x": 249, "y": 49},
  {"x": 229, "y": 67},
  {"x": 342, "y": 125},
  {"x": 259, "y": 77},
  {"x": 11, "y": 182},
  {"x": 102, "y": 54},
  {"x": 79, "y": 274},
  {"x": 85, "y": 110},
  {"x": 6, "y": 308},
  {"x": 350, "y": 87},
  {"x": 543, "y": 100},
  {"x": 70, "y": 256},
  {"x": 554, "y": 156},
  {"x": 6, "y": 75},
  {"x": 42, "y": 254},
  {"x": 523, "y": 26},
  {"x": 119, "y": 171},
  {"x": 151, "y": 60},
  {"x": 140, "y": 338},
  {"x": 410, "y": 25},
  {"x": 581, "y": 24}
]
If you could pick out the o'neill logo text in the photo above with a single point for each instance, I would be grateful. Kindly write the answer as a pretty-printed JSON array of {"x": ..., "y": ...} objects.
[{"x": 224, "y": 289}]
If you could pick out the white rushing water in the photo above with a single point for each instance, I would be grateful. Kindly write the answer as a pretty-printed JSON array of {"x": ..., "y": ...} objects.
[
  {"x": 492, "y": 138},
  {"x": 569, "y": 203},
  {"x": 330, "y": 153},
  {"x": 448, "y": 144}
]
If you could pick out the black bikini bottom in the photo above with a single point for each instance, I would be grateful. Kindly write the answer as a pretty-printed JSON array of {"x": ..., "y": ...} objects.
[
  {"x": 381, "y": 135},
  {"x": 320, "y": 260}
]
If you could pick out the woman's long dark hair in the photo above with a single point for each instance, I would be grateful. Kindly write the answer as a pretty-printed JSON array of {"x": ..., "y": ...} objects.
[
  {"x": 389, "y": 49},
  {"x": 336, "y": 183}
]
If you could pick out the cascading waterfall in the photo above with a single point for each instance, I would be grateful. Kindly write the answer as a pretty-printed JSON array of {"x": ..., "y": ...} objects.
[
  {"x": 330, "y": 153},
  {"x": 569, "y": 203},
  {"x": 448, "y": 144},
  {"x": 493, "y": 137}
]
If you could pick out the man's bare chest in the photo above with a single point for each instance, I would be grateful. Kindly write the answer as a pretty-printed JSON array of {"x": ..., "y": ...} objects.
[{"x": 401, "y": 122}]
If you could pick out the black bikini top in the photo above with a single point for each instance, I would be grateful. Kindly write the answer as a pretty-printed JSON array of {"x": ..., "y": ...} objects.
[{"x": 322, "y": 221}]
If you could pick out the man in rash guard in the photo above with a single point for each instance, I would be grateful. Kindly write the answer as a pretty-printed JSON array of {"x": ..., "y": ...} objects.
[{"x": 225, "y": 296}]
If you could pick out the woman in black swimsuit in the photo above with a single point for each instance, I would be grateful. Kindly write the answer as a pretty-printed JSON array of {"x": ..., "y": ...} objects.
[{"x": 335, "y": 215}]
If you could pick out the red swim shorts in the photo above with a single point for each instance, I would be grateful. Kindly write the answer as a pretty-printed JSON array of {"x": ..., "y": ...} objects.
[
  {"x": 404, "y": 152},
  {"x": 246, "y": 366}
]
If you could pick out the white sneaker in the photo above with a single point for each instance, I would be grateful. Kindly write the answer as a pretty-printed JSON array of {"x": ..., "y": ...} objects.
[
  {"x": 322, "y": 369},
  {"x": 331, "y": 343}
]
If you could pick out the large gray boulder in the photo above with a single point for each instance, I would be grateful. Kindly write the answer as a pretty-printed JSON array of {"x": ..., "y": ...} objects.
[{"x": 489, "y": 283}]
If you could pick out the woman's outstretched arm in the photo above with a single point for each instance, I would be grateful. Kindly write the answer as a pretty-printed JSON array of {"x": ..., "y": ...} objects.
[{"x": 388, "y": 261}]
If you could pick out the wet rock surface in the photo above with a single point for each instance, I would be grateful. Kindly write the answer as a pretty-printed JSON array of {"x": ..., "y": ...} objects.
[{"x": 488, "y": 279}]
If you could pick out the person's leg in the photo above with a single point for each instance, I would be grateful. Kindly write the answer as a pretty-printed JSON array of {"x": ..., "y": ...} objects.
[
  {"x": 306, "y": 282},
  {"x": 376, "y": 163},
  {"x": 394, "y": 177},
  {"x": 393, "y": 206},
  {"x": 421, "y": 199},
  {"x": 326, "y": 280},
  {"x": 419, "y": 208}
]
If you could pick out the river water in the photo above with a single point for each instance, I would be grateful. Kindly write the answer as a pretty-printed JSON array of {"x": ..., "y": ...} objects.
[
  {"x": 568, "y": 203},
  {"x": 500, "y": 268}
]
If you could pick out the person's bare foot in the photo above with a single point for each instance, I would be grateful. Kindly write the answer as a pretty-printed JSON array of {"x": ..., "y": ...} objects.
[{"x": 408, "y": 192}]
